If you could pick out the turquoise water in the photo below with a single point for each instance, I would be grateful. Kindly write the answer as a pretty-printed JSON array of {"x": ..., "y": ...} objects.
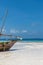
[
  {"x": 33, "y": 40},
  {"x": 25, "y": 40}
]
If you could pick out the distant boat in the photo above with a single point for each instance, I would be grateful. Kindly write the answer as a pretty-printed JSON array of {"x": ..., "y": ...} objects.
[{"x": 6, "y": 45}]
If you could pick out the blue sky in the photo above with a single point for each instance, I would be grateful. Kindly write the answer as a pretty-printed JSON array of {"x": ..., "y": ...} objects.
[{"x": 25, "y": 17}]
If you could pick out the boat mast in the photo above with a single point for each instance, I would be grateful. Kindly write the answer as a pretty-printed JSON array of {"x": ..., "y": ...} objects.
[{"x": 3, "y": 20}]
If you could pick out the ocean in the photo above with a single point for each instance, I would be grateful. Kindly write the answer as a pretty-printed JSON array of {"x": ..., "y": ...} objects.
[
  {"x": 24, "y": 52},
  {"x": 24, "y": 40}
]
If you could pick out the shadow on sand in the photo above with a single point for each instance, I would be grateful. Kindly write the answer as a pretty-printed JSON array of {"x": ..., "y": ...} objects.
[{"x": 11, "y": 50}]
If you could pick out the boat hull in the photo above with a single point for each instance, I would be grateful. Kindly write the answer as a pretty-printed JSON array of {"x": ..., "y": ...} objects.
[{"x": 5, "y": 46}]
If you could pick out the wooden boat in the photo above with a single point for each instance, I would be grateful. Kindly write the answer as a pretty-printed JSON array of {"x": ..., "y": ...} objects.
[{"x": 6, "y": 45}]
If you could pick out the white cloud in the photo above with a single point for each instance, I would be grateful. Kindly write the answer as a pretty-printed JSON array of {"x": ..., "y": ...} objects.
[
  {"x": 18, "y": 31},
  {"x": 3, "y": 30},
  {"x": 14, "y": 31},
  {"x": 24, "y": 31}
]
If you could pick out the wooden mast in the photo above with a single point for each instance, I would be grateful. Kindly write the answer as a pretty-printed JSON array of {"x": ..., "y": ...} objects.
[{"x": 3, "y": 20}]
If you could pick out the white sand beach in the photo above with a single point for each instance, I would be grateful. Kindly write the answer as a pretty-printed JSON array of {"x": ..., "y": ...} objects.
[{"x": 23, "y": 53}]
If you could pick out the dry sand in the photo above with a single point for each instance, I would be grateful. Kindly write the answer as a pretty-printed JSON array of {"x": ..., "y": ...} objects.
[{"x": 23, "y": 54}]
